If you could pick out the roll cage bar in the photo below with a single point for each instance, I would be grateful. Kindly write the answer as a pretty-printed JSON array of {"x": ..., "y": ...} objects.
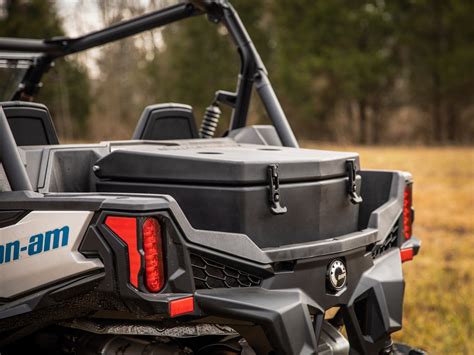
[{"x": 252, "y": 69}]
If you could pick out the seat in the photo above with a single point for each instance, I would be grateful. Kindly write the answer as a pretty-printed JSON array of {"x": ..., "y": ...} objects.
[
  {"x": 30, "y": 123},
  {"x": 165, "y": 122}
]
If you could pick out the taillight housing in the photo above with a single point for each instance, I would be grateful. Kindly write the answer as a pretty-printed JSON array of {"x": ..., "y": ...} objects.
[
  {"x": 147, "y": 255},
  {"x": 126, "y": 229},
  {"x": 153, "y": 251},
  {"x": 408, "y": 211}
]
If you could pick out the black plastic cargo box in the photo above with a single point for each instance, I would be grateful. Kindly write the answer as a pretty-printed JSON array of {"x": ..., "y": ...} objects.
[{"x": 234, "y": 188}]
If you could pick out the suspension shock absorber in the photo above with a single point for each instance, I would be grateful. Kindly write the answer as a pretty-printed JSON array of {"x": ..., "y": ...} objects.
[{"x": 210, "y": 121}]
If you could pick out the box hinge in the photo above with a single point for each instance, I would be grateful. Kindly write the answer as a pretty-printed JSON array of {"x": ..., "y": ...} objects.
[
  {"x": 351, "y": 184},
  {"x": 274, "y": 184}
]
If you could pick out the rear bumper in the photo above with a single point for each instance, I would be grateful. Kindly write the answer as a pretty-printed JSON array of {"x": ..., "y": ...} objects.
[
  {"x": 275, "y": 297},
  {"x": 291, "y": 318}
]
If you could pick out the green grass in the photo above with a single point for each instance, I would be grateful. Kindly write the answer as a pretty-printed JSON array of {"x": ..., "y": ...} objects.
[{"x": 439, "y": 299}]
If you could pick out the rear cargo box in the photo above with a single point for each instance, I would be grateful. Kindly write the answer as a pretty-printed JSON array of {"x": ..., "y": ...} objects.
[{"x": 227, "y": 187}]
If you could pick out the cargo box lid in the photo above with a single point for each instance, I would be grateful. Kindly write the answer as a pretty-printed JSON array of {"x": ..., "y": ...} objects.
[{"x": 221, "y": 163}]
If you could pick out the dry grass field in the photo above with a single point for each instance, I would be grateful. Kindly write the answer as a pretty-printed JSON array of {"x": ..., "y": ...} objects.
[{"x": 439, "y": 299}]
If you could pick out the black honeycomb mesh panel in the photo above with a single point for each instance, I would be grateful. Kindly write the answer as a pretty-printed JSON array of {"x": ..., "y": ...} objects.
[{"x": 211, "y": 274}]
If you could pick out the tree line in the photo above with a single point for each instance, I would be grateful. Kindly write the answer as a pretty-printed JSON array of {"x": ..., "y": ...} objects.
[{"x": 369, "y": 72}]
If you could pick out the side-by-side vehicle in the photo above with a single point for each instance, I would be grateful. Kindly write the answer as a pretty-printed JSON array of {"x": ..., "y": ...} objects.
[{"x": 180, "y": 242}]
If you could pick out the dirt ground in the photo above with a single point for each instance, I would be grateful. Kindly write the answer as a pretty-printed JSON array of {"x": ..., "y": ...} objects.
[{"x": 439, "y": 298}]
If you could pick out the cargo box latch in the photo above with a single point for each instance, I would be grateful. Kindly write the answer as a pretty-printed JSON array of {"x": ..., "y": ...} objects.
[
  {"x": 351, "y": 185},
  {"x": 275, "y": 197}
]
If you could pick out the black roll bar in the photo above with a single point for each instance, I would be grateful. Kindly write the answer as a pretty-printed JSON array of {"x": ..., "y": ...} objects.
[
  {"x": 27, "y": 45},
  {"x": 253, "y": 70},
  {"x": 61, "y": 46},
  {"x": 275, "y": 111},
  {"x": 131, "y": 27},
  {"x": 10, "y": 158}
]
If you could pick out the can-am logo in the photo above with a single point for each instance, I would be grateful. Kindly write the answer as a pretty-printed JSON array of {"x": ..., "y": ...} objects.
[
  {"x": 33, "y": 245},
  {"x": 337, "y": 275}
]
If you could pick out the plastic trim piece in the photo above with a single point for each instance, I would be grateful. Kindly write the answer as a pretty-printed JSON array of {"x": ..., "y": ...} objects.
[
  {"x": 181, "y": 306},
  {"x": 277, "y": 312},
  {"x": 126, "y": 229}
]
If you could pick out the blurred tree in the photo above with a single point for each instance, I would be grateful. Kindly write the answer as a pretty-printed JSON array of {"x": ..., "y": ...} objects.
[
  {"x": 198, "y": 58},
  {"x": 439, "y": 36},
  {"x": 343, "y": 70},
  {"x": 66, "y": 87},
  {"x": 332, "y": 53},
  {"x": 196, "y": 61},
  {"x": 119, "y": 89}
]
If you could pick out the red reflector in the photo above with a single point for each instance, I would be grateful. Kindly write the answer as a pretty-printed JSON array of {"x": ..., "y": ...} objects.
[
  {"x": 406, "y": 254},
  {"x": 181, "y": 306},
  {"x": 407, "y": 211},
  {"x": 126, "y": 229},
  {"x": 153, "y": 249}
]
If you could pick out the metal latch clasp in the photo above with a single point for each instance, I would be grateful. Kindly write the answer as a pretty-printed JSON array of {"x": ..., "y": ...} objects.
[
  {"x": 351, "y": 184},
  {"x": 274, "y": 184}
]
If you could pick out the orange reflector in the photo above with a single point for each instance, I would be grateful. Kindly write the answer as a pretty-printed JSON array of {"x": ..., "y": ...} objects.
[
  {"x": 126, "y": 229},
  {"x": 406, "y": 254},
  {"x": 153, "y": 250},
  {"x": 181, "y": 306}
]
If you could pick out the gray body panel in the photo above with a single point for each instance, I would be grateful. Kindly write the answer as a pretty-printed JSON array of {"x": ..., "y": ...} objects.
[
  {"x": 380, "y": 214},
  {"x": 35, "y": 269}
]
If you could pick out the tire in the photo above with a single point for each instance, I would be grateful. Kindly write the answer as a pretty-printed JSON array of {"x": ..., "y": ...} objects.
[{"x": 404, "y": 349}]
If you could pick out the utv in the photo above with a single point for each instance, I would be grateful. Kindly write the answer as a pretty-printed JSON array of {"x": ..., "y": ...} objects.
[{"x": 176, "y": 242}]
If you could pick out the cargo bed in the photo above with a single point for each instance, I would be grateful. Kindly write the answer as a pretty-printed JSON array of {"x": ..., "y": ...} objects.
[{"x": 231, "y": 187}]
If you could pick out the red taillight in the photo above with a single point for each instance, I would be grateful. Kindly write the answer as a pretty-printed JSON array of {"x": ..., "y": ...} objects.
[
  {"x": 153, "y": 249},
  {"x": 126, "y": 229},
  {"x": 406, "y": 254},
  {"x": 181, "y": 306},
  {"x": 407, "y": 211}
]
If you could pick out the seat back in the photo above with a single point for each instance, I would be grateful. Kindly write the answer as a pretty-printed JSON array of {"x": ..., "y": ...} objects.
[
  {"x": 30, "y": 123},
  {"x": 166, "y": 121}
]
